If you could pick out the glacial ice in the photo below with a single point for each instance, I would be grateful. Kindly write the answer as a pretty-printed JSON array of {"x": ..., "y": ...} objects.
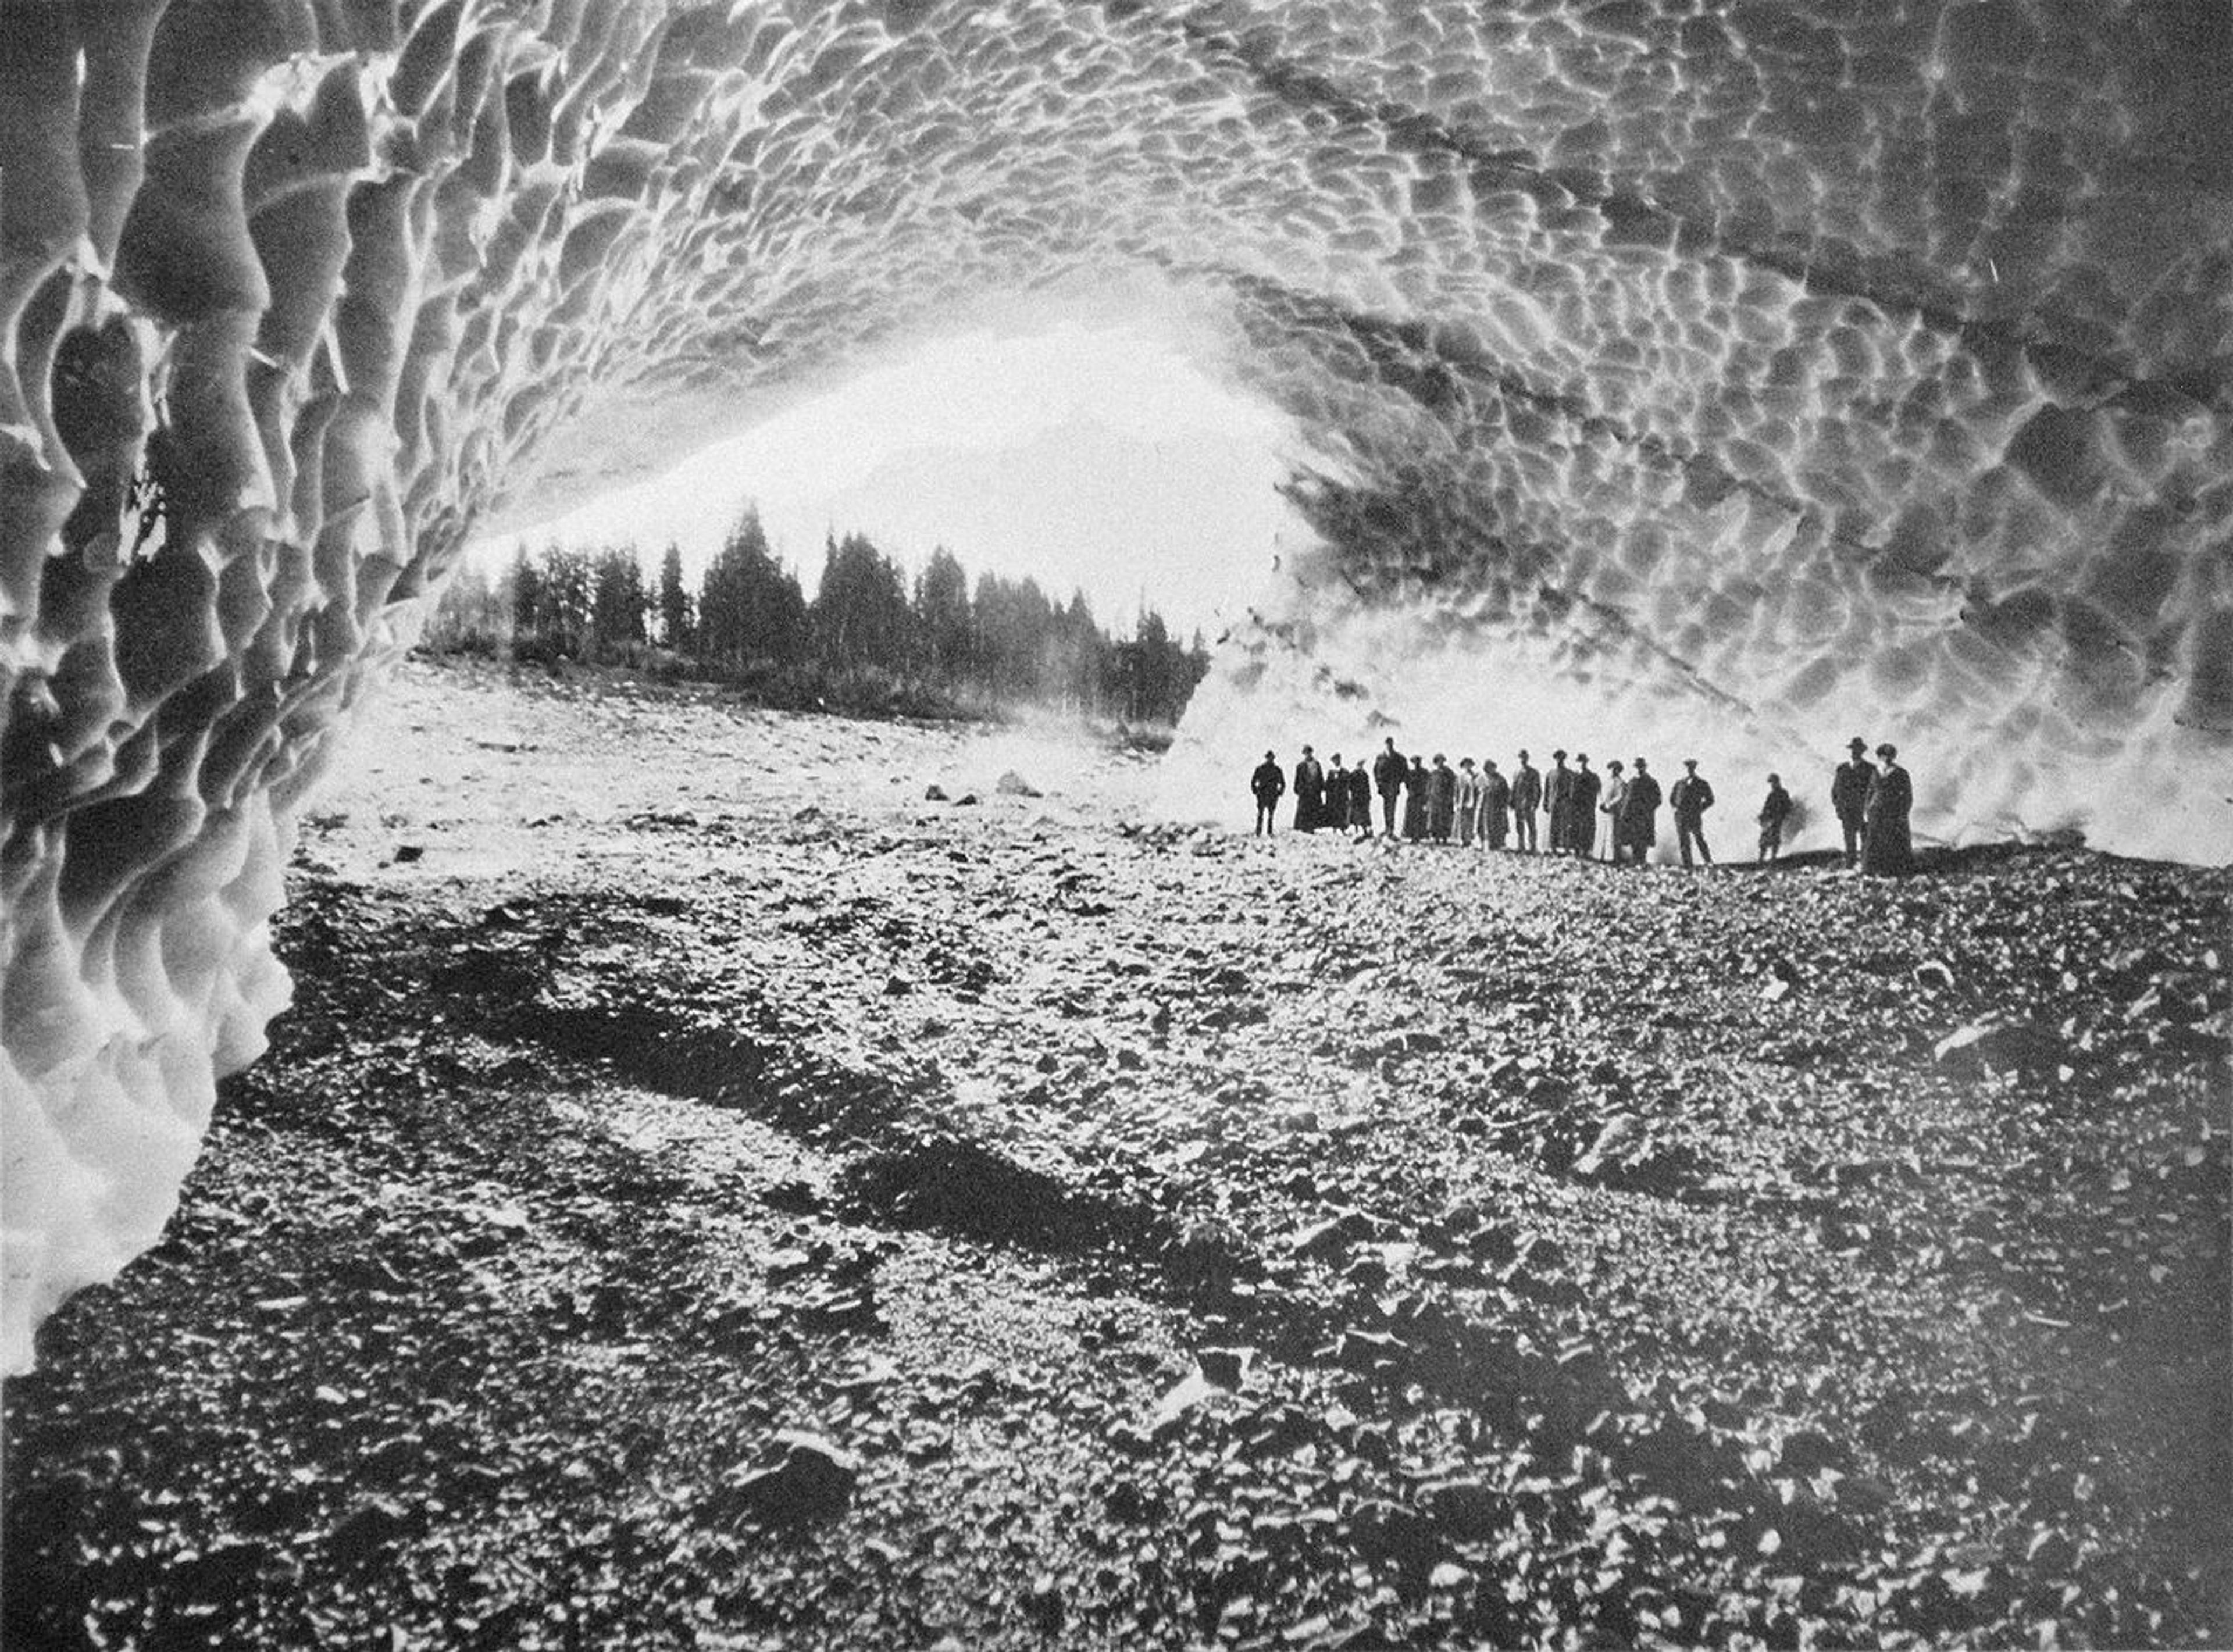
[{"x": 1724, "y": 375}]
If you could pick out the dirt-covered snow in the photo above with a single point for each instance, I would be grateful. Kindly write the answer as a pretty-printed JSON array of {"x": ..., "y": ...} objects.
[{"x": 708, "y": 1194}]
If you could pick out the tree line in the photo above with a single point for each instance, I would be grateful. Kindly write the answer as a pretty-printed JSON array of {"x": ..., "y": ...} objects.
[{"x": 872, "y": 639}]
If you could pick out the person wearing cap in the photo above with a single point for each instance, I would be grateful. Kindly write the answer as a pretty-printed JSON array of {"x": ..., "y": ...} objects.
[
  {"x": 1468, "y": 803},
  {"x": 1886, "y": 847},
  {"x": 1582, "y": 816},
  {"x": 1310, "y": 792},
  {"x": 1527, "y": 798},
  {"x": 1849, "y": 796},
  {"x": 1773, "y": 813},
  {"x": 1495, "y": 802},
  {"x": 1611, "y": 799},
  {"x": 1636, "y": 825},
  {"x": 1269, "y": 785},
  {"x": 1388, "y": 774},
  {"x": 1360, "y": 801},
  {"x": 1691, "y": 797},
  {"x": 1559, "y": 793}
]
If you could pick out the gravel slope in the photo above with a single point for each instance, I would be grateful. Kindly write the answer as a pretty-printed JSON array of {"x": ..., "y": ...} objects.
[{"x": 709, "y": 1196}]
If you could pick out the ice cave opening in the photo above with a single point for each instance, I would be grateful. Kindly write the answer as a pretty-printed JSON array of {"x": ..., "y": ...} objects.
[{"x": 1738, "y": 376}]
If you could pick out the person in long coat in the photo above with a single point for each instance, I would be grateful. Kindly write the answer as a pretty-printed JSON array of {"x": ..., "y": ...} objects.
[
  {"x": 1468, "y": 803},
  {"x": 1269, "y": 785},
  {"x": 1610, "y": 800},
  {"x": 1849, "y": 796},
  {"x": 1691, "y": 797},
  {"x": 1496, "y": 800},
  {"x": 1559, "y": 792},
  {"x": 1441, "y": 799},
  {"x": 1527, "y": 798},
  {"x": 1886, "y": 847},
  {"x": 1333, "y": 803},
  {"x": 1360, "y": 801},
  {"x": 1415, "y": 801},
  {"x": 1774, "y": 810},
  {"x": 1582, "y": 811},
  {"x": 1638, "y": 820},
  {"x": 1388, "y": 774},
  {"x": 1310, "y": 792}
]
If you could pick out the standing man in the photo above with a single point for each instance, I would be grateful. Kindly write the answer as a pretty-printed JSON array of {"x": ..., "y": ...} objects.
[
  {"x": 1468, "y": 803},
  {"x": 1638, "y": 820},
  {"x": 1691, "y": 797},
  {"x": 1495, "y": 800},
  {"x": 1333, "y": 806},
  {"x": 1773, "y": 813},
  {"x": 1527, "y": 798},
  {"x": 1613, "y": 798},
  {"x": 1269, "y": 784},
  {"x": 1582, "y": 816},
  {"x": 1310, "y": 792},
  {"x": 1388, "y": 776},
  {"x": 1441, "y": 799},
  {"x": 1849, "y": 796},
  {"x": 1560, "y": 790},
  {"x": 1360, "y": 800},
  {"x": 1886, "y": 848}
]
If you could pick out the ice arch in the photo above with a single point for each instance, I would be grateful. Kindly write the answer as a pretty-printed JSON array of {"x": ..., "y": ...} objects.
[{"x": 1780, "y": 362}]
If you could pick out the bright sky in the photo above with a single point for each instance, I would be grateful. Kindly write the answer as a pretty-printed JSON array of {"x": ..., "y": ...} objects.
[{"x": 1094, "y": 455}]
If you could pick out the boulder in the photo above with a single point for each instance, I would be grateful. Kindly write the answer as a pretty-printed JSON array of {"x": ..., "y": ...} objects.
[
  {"x": 2001, "y": 1047},
  {"x": 812, "y": 1483},
  {"x": 1012, "y": 784}
]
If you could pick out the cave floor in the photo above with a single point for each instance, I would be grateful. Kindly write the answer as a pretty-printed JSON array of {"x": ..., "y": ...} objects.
[{"x": 708, "y": 1196}]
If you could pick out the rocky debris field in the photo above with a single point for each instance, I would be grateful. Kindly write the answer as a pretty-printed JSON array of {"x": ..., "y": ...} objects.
[{"x": 711, "y": 1194}]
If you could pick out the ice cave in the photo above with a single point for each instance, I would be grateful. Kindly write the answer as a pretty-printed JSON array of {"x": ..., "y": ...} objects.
[{"x": 1750, "y": 371}]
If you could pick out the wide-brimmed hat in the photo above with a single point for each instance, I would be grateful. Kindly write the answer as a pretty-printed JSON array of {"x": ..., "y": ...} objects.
[{"x": 1856, "y": 743}]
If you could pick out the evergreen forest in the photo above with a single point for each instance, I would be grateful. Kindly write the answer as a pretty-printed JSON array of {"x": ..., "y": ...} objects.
[{"x": 873, "y": 639}]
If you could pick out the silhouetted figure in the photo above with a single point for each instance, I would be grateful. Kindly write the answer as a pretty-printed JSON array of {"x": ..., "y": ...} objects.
[
  {"x": 1468, "y": 803},
  {"x": 1610, "y": 798},
  {"x": 1527, "y": 798},
  {"x": 1333, "y": 809},
  {"x": 1441, "y": 799},
  {"x": 1388, "y": 776},
  {"x": 1582, "y": 822},
  {"x": 1269, "y": 785},
  {"x": 1415, "y": 802},
  {"x": 1559, "y": 792},
  {"x": 1495, "y": 805},
  {"x": 1691, "y": 797},
  {"x": 1637, "y": 823},
  {"x": 1360, "y": 801},
  {"x": 1886, "y": 848},
  {"x": 1849, "y": 796},
  {"x": 1310, "y": 792},
  {"x": 1774, "y": 812}
]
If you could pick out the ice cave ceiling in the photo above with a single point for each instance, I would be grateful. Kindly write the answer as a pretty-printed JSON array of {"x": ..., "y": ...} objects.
[{"x": 1799, "y": 364}]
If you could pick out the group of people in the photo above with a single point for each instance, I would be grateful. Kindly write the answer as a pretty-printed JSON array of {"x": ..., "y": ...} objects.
[{"x": 1480, "y": 804}]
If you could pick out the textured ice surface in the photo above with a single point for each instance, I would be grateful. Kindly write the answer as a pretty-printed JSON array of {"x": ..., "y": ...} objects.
[{"x": 1735, "y": 375}]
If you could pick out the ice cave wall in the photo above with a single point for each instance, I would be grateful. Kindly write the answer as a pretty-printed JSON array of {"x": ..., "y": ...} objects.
[{"x": 1735, "y": 371}]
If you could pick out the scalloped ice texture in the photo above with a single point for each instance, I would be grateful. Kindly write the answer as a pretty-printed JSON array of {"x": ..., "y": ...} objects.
[{"x": 1729, "y": 374}]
